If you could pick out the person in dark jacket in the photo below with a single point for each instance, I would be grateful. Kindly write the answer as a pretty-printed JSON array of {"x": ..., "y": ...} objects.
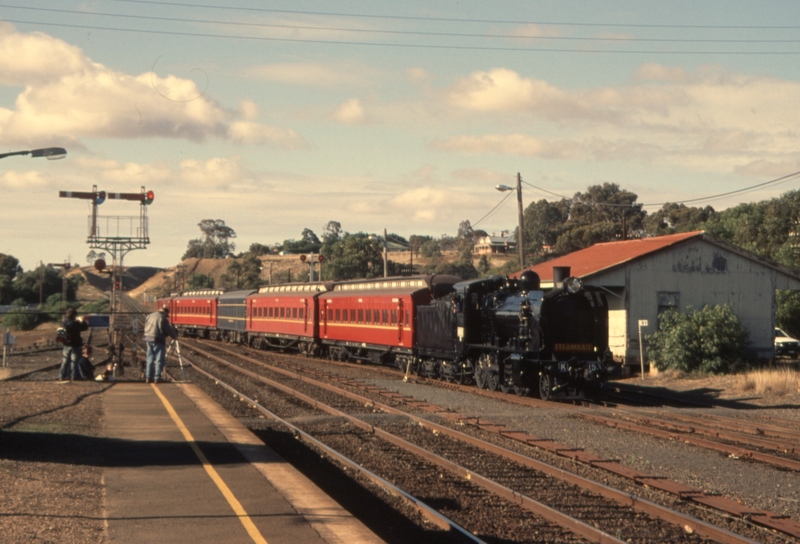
[
  {"x": 74, "y": 326},
  {"x": 157, "y": 329}
]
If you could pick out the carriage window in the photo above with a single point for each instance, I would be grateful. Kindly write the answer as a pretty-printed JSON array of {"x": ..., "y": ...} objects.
[
  {"x": 338, "y": 316},
  {"x": 283, "y": 311},
  {"x": 330, "y": 315},
  {"x": 352, "y": 316},
  {"x": 294, "y": 313},
  {"x": 385, "y": 317},
  {"x": 376, "y": 317},
  {"x": 302, "y": 313},
  {"x": 407, "y": 320},
  {"x": 360, "y": 316},
  {"x": 394, "y": 317}
]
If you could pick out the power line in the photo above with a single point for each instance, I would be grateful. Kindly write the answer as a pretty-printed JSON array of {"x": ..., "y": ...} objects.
[
  {"x": 479, "y": 221},
  {"x": 462, "y": 20},
  {"x": 402, "y": 45},
  {"x": 398, "y": 32}
]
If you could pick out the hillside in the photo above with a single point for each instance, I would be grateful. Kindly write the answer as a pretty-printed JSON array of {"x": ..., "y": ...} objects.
[{"x": 279, "y": 267}]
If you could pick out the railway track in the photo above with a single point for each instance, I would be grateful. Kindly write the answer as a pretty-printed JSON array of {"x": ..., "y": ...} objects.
[{"x": 524, "y": 478}]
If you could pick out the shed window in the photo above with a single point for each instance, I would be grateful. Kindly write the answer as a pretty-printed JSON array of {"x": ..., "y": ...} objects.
[{"x": 668, "y": 301}]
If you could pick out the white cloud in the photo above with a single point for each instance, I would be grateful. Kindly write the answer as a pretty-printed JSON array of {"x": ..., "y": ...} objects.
[
  {"x": 511, "y": 144},
  {"x": 308, "y": 74},
  {"x": 351, "y": 112},
  {"x": 67, "y": 97}
]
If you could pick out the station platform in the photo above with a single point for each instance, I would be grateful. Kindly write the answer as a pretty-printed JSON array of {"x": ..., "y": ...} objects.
[{"x": 184, "y": 470}]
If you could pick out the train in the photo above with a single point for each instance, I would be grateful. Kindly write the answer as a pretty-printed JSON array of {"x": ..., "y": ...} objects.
[{"x": 499, "y": 333}]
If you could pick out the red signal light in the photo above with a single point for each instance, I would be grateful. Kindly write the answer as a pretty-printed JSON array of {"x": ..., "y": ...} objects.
[
  {"x": 148, "y": 197},
  {"x": 303, "y": 258},
  {"x": 321, "y": 258}
]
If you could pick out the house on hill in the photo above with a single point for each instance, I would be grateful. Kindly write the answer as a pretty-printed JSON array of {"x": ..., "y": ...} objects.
[
  {"x": 643, "y": 278},
  {"x": 491, "y": 244}
]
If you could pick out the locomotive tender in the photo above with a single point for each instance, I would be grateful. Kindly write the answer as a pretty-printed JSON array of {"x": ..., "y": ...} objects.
[{"x": 499, "y": 333}]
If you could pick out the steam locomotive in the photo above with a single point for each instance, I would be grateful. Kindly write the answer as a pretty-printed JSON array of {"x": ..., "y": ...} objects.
[{"x": 499, "y": 333}]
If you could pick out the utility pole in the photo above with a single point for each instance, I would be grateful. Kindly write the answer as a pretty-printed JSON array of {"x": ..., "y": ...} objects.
[
  {"x": 521, "y": 241},
  {"x": 385, "y": 255}
]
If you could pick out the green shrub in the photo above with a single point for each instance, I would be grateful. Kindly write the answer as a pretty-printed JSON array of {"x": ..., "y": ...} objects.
[
  {"x": 20, "y": 318},
  {"x": 710, "y": 340},
  {"x": 97, "y": 307}
]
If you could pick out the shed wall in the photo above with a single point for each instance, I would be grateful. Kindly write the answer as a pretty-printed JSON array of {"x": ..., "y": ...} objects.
[{"x": 693, "y": 275}]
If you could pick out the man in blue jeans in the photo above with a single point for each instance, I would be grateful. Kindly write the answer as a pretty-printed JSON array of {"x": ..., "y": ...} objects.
[
  {"x": 72, "y": 346},
  {"x": 157, "y": 329}
]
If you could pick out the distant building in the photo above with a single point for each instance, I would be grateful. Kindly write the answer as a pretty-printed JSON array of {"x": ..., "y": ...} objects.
[
  {"x": 643, "y": 278},
  {"x": 490, "y": 245}
]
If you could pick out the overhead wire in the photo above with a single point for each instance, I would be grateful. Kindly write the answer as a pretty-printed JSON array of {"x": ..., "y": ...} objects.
[
  {"x": 458, "y": 20},
  {"x": 320, "y": 28}
]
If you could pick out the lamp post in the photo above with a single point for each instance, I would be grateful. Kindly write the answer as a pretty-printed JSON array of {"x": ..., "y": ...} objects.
[
  {"x": 521, "y": 235},
  {"x": 50, "y": 153}
]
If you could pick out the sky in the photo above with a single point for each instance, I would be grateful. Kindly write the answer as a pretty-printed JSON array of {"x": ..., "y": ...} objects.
[{"x": 279, "y": 116}]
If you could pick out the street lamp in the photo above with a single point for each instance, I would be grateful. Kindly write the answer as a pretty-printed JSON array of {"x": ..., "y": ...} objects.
[
  {"x": 521, "y": 235},
  {"x": 50, "y": 153}
]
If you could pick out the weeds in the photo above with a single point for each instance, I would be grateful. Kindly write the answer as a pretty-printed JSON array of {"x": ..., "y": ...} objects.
[{"x": 776, "y": 382}]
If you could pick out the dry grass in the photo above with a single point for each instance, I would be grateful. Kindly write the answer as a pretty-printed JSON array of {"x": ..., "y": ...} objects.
[{"x": 775, "y": 382}]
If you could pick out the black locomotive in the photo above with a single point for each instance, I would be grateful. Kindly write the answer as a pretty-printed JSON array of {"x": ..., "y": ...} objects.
[{"x": 508, "y": 334}]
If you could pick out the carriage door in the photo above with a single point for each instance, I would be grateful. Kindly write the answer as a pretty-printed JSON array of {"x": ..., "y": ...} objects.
[
  {"x": 305, "y": 315},
  {"x": 400, "y": 320},
  {"x": 323, "y": 318}
]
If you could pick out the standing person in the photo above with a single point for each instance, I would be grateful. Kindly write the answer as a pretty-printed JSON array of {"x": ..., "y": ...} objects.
[
  {"x": 72, "y": 347},
  {"x": 156, "y": 330}
]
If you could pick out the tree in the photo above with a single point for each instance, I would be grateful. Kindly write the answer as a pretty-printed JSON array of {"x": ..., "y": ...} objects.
[
  {"x": 199, "y": 281},
  {"x": 243, "y": 273},
  {"x": 215, "y": 242},
  {"x": 308, "y": 243},
  {"x": 259, "y": 249},
  {"x": 353, "y": 256},
  {"x": 675, "y": 218},
  {"x": 416, "y": 241},
  {"x": 332, "y": 232},
  {"x": 9, "y": 266},
  {"x": 544, "y": 222}
]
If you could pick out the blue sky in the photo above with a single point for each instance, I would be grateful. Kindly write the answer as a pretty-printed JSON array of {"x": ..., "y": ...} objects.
[{"x": 283, "y": 116}]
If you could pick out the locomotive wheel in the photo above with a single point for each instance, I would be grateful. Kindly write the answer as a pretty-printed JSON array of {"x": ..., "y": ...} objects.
[
  {"x": 480, "y": 374},
  {"x": 492, "y": 380},
  {"x": 522, "y": 391},
  {"x": 545, "y": 386}
]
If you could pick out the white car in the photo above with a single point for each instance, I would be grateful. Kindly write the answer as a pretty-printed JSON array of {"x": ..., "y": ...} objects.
[{"x": 785, "y": 345}]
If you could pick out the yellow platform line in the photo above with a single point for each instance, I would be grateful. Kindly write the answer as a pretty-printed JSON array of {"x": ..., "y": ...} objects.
[{"x": 240, "y": 512}]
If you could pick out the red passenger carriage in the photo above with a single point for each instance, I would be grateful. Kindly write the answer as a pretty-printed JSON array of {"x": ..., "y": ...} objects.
[
  {"x": 374, "y": 319},
  {"x": 282, "y": 316},
  {"x": 194, "y": 313}
]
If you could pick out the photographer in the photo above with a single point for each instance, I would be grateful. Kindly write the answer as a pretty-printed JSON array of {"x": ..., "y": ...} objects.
[{"x": 72, "y": 347}]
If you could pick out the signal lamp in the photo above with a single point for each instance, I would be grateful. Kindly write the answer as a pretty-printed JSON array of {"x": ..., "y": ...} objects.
[
  {"x": 148, "y": 197},
  {"x": 303, "y": 258}
]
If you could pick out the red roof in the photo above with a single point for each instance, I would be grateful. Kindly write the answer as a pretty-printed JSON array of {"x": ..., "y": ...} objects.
[{"x": 599, "y": 257}]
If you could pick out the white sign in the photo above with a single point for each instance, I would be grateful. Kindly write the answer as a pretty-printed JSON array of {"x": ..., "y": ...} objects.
[{"x": 642, "y": 322}]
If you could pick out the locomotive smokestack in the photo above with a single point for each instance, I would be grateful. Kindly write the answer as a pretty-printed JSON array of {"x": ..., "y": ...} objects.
[{"x": 560, "y": 273}]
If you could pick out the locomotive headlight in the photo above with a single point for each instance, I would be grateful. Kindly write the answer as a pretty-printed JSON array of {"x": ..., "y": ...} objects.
[{"x": 573, "y": 284}]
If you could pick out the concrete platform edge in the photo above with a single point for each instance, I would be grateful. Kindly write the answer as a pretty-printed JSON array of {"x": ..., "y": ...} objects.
[{"x": 333, "y": 523}]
